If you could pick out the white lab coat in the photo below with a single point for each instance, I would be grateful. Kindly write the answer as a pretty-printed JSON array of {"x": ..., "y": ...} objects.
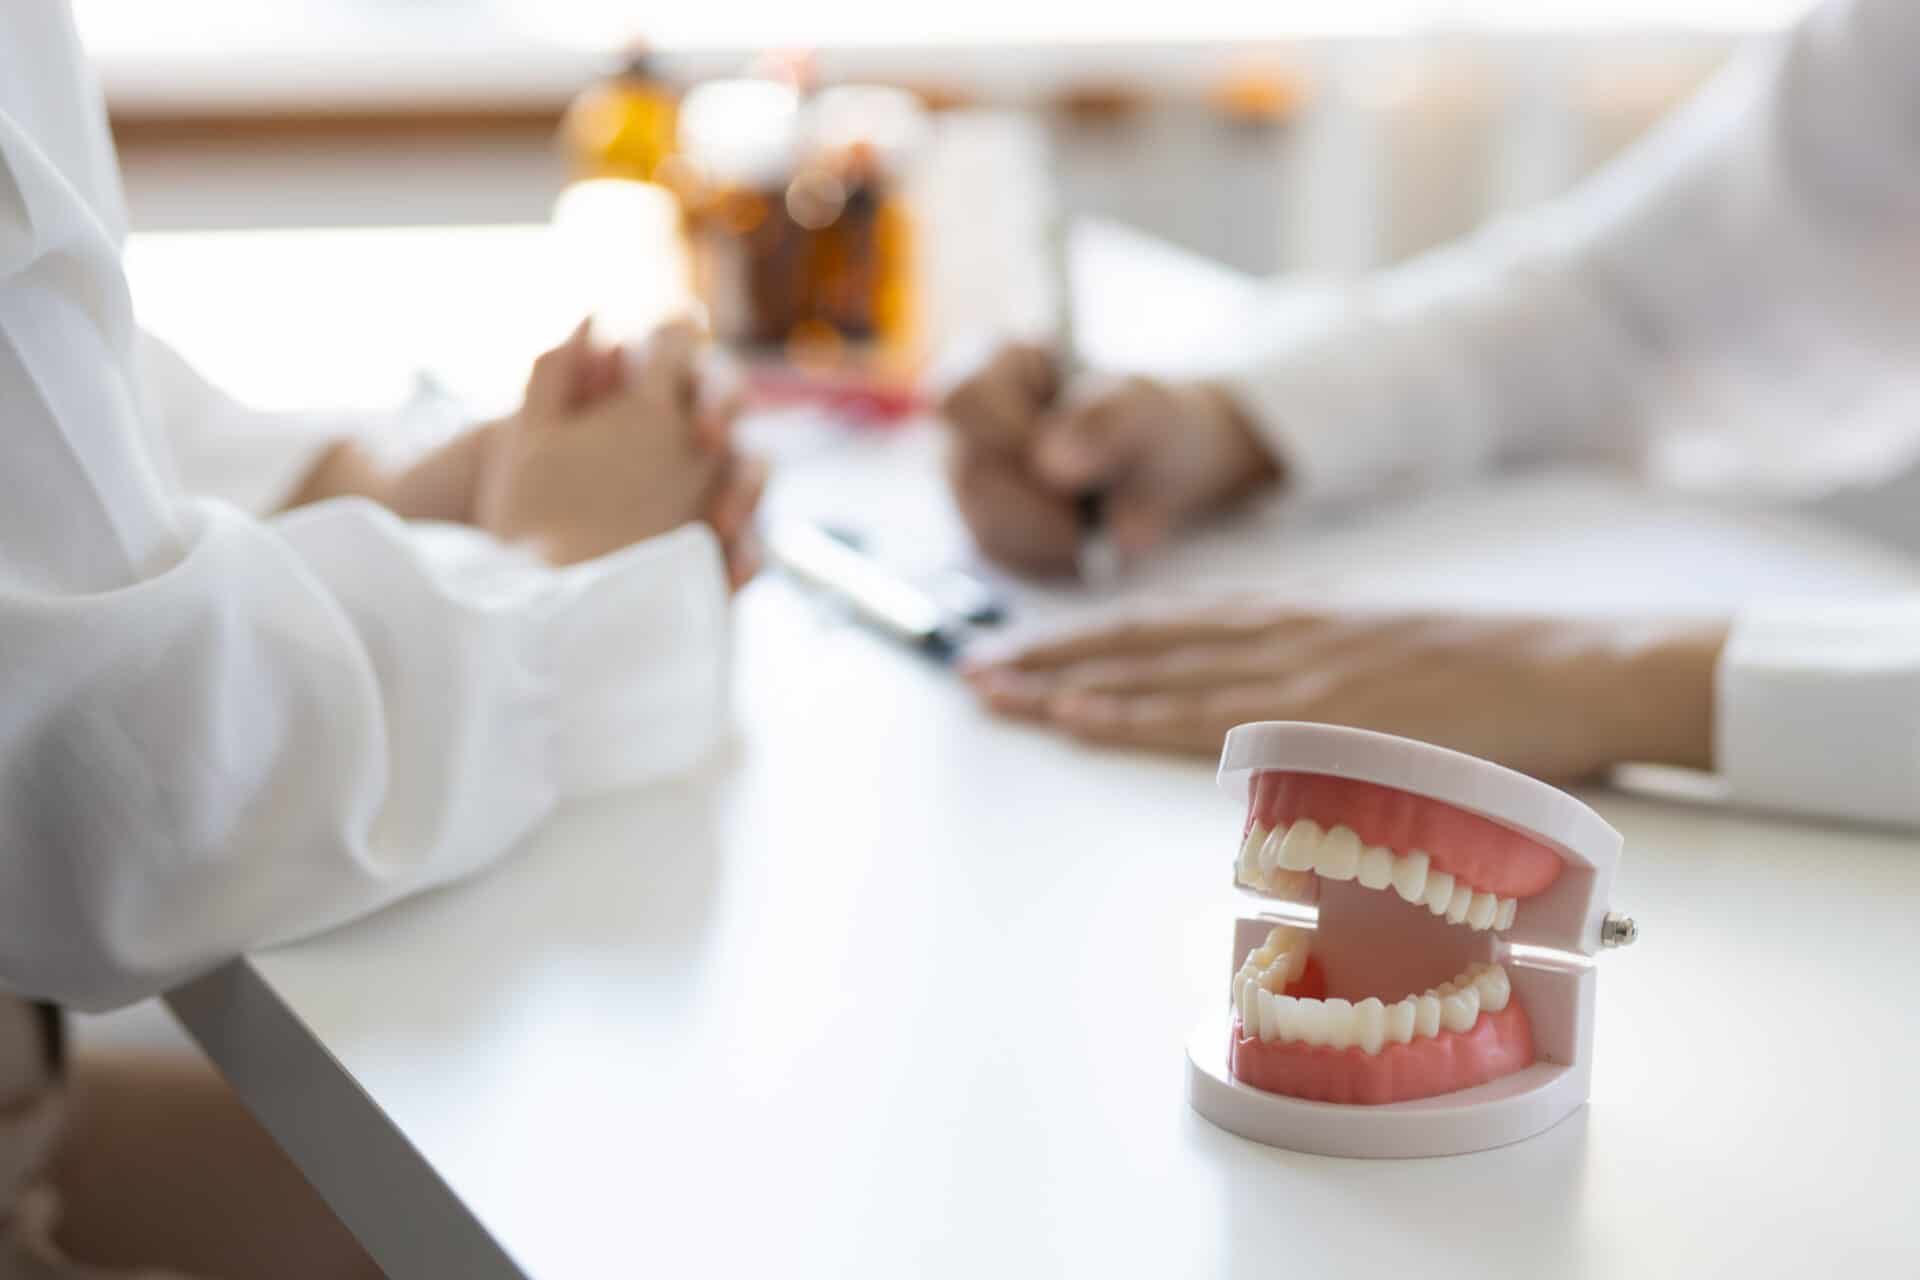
[
  {"x": 221, "y": 729},
  {"x": 1755, "y": 256}
]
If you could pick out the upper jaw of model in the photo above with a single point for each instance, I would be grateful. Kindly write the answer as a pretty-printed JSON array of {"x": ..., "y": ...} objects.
[
  {"x": 1284, "y": 861},
  {"x": 1398, "y": 992},
  {"x": 1304, "y": 829}
]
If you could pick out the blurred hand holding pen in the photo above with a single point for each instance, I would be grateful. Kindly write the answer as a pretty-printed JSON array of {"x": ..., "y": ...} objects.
[{"x": 1097, "y": 561}]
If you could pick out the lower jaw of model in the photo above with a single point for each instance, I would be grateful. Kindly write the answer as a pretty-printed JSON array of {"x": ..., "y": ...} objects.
[
  {"x": 1397, "y": 993},
  {"x": 1292, "y": 1038}
]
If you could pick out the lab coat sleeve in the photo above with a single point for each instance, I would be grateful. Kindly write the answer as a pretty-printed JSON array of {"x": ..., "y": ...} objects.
[
  {"x": 221, "y": 448},
  {"x": 1819, "y": 710},
  {"x": 1787, "y": 189},
  {"x": 220, "y": 733}
]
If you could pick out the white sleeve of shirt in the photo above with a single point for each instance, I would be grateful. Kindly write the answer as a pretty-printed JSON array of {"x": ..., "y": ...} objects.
[
  {"x": 1783, "y": 199},
  {"x": 1819, "y": 710},
  {"x": 221, "y": 732},
  {"x": 217, "y": 447},
  {"x": 1774, "y": 211}
]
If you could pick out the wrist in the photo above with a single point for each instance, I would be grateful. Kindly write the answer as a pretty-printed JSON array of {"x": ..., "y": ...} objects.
[
  {"x": 442, "y": 484},
  {"x": 1664, "y": 693},
  {"x": 346, "y": 470},
  {"x": 1248, "y": 466}
]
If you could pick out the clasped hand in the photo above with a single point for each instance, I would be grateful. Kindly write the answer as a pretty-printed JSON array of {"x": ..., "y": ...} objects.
[{"x": 610, "y": 446}]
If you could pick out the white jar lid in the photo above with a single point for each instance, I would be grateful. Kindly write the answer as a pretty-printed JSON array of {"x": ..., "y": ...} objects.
[{"x": 741, "y": 131}]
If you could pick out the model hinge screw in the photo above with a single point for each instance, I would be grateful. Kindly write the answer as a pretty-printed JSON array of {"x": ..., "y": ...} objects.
[{"x": 1618, "y": 930}]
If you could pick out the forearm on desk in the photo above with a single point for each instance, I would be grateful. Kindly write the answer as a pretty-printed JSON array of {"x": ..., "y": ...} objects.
[
  {"x": 1661, "y": 706},
  {"x": 439, "y": 485}
]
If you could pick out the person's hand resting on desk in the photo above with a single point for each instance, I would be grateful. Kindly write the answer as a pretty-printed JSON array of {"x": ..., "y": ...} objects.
[
  {"x": 609, "y": 447},
  {"x": 1554, "y": 697},
  {"x": 1023, "y": 452}
]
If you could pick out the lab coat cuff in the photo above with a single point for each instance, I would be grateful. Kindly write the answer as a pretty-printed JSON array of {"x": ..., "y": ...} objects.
[
  {"x": 635, "y": 657},
  {"x": 1309, "y": 405},
  {"x": 1818, "y": 710}
]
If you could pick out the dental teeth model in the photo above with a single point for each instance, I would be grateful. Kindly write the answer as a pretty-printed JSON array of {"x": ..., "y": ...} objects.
[{"x": 1415, "y": 863}]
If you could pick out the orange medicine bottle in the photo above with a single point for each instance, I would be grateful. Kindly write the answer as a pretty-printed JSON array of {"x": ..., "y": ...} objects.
[
  {"x": 798, "y": 219},
  {"x": 625, "y": 125}
]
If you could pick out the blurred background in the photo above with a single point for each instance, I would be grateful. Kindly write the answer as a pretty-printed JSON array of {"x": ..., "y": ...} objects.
[
  {"x": 896, "y": 197},
  {"x": 1269, "y": 137}
]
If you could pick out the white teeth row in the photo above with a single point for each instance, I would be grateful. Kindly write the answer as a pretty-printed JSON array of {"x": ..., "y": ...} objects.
[
  {"x": 1279, "y": 860},
  {"x": 1371, "y": 1025},
  {"x": 1281, "y": 959}
]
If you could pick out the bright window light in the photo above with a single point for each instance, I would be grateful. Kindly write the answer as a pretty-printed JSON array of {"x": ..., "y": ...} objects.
[{"x": 122, "y": 27}]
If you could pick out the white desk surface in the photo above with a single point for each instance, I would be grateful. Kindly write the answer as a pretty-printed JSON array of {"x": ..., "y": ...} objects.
[{"x": 892, "y": 988}]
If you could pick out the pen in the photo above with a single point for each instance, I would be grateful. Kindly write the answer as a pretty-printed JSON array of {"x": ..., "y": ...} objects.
[
  {"x": 875, "y": 594},
  {"x": 1096, "y": 561}
]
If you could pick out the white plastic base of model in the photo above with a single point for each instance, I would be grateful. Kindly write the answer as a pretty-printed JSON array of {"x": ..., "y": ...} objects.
[{"x": 1489, "y": 1115}]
